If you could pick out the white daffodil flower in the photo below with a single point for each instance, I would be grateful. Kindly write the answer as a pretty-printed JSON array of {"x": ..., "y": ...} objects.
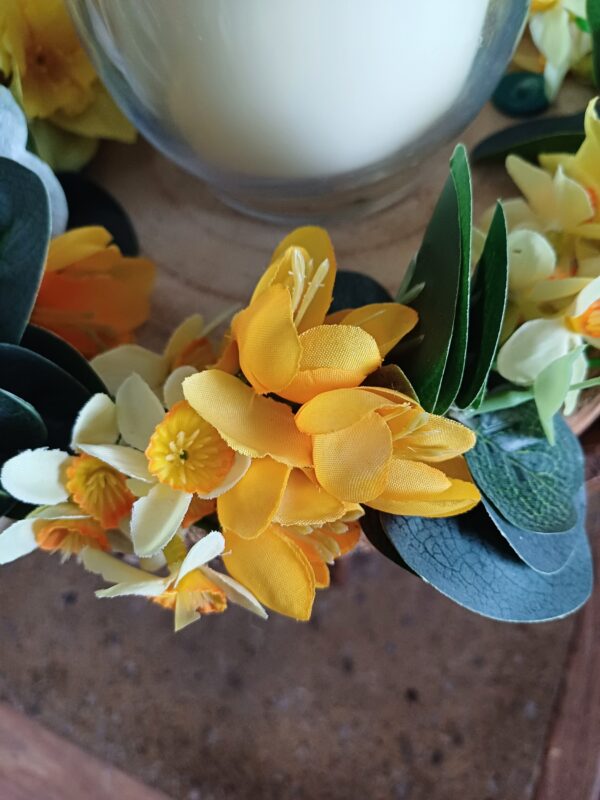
[
  {"x": 117, "y": 435},
  {"x": 191, "y": 588},
  {"x": 13, "y": 145},
  {"x": 558, "y": 38}
]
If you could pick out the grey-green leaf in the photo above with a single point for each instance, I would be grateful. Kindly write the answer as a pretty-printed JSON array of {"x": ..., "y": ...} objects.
[
  {"x": 466, "y": 559},
  {"x": 24, "y": 236},
  {"x": 530, "y": 482}
]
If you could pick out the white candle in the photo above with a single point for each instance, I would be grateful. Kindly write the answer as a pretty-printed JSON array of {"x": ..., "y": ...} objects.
[{"x": 295, "y": 88}]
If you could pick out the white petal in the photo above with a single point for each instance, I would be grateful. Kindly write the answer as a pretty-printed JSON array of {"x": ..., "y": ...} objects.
[
  {"x": 96, "y": 423},
  {"x": 532, "y": 347},
  {"x": 586, "y": 297},
  {"x": 116, "y": 365},
  {"x": 113, "y": 570},
  {"x": 59, "y": 511},
  {"x": 156, "y": 518},
  {"x": 148, "y": 588},
  {"x": 191, "y": 328},
  {"x": 17, "y": 540},
  {"x": 240, "y": 466},
  {"x": 173, "y": 390},
  {"x": 154, "y": 563},
  {"x": 573, "y": 201},
  {"x": 551, "y": 35},
  {"x": 209, "y": 547},
  {"x": 235, "y": 592},
  {"x": 184, "y": 614},
  {"x": 531, "y": 259},
  {"x": 138, "y": 488},
  {"x": 138, "y": 411},
  {"x": 36, "y": 476},
  {"x": 124, "y": 459}
]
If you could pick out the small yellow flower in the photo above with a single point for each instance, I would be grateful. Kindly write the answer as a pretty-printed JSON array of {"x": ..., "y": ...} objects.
[
  {"x": 69, "y": 536},
  {"x": 196, "y": 592},
  {"x": 187, "y": 453},
  {"x": 99, "y": 490}
]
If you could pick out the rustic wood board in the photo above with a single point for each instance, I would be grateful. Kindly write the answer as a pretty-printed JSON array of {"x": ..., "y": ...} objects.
[{"x": 390, "y": 692}]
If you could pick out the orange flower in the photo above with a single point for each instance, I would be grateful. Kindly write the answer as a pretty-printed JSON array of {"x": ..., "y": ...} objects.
[
  {"x": 70, "y": 536},
  {"x": 99, "y": 490},
  {"x": 92, "y": 295}
]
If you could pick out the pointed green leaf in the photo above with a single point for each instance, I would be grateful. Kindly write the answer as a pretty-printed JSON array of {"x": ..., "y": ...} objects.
[
  {"x": 543, "y": 552},
  {"x": 455, "y": 366},
  {"x": 391, "y": 376},
  {"x": 551, "y": 388},
  {"x": 488, "y": 304},
  {"x": 55, "y": 395},
  {"x": 439, "y": 267},
  {"x": 60, "y": 149},
  {"x": 501, "y": 399},
  {"x": 61, "y": 353},
  {"x": 530, "y": 482},
  {"x": 24, "y": 236},
  {"x": 354, "y": 289},
  {"x": 466, "y": 559},
  {"x": 529, "y": 139},
  {"x": 21, "y": 427}
]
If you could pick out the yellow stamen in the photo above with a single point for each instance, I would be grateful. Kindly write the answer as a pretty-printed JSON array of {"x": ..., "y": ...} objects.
[{"x": 99, "y": 490}]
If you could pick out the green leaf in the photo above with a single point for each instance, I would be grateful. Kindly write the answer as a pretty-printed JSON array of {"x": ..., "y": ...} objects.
[
  {"x": 543, "y": 552},
  {"x": 583, "y": 24},
  {"x": 391, "y": 376},
  {"x": 21, "y": 427},
  {"x": 551, "y": 388},
  {"x": 353, "y": 289},
  {"x": 529, "y": 139},
  {"x": 90, "y": 204},
  {"x": 503, "y": 399},
  {"x": 593, "y": 18},
  {"x": 439, "y": 267},
  {"x": 591, "y": 383},
  {"x": 61, "y": 353},
  {"x": 521, "y": 94},
  {"x": 466, "y": 559},
  {"x": 488, "y": 304},
  {"x": 24, "y": 236},
  {"x": 373, "y": 529},
  {"x": 63, "y": 151},
  {"x": 530, "y": 482},
  {"x": 407, "y": 280},
  {"x": 55, "y": 395},
  {"x": 455, "y": 366}
]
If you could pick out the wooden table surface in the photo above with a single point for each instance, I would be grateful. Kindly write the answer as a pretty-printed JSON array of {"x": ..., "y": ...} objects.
[{"x": 390, "y": 692}]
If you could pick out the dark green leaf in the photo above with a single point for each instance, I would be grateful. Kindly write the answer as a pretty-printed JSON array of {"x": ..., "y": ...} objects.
[
  {"x": 61, "y": 353},
  {"x": 487, "y": 313},
  {"x": 7, "y": 503},
  {"x": 21, "y": 427},
  {"x": 439, "y": 267},
  {"x": 466, "y": 559},
  {"x": 543, "y": 552},
  {"x": 529, "y": 139},
  {"x": 353, "y": 289},
  {"x": 455, "y": 366},
  {"x": 373, "y": 529},
  {"x": 593, "y": 18},
  {"x": 24, "y": 236},
  {"x": 521, "y": 94},
  {"x": 55, "y": 395},
  {"x": 530, "y": 482},
  {"x": 407, "y": 280},
  {"x": 391, "y": 377},
  {"x": 90, "y": 204}
]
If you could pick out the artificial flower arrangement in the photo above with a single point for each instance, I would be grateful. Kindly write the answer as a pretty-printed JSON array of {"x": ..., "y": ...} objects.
[
  {"x": 326, "y": 409},
  {"x": 42, "y": 62}
]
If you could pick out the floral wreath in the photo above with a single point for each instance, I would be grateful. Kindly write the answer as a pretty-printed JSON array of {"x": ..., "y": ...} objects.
[{"x": 236, "y": 468}]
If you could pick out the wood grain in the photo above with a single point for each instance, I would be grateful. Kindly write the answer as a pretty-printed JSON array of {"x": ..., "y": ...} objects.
[{"x": 35, "y": 764}]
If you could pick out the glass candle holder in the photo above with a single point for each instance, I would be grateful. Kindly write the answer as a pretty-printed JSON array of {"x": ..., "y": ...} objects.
[{"x": 301, "y": 109}]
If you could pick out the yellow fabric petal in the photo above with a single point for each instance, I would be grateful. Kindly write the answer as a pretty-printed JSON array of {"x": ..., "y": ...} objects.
[
  {"x": 386, "y": 322},
  {"x": 339, "y": 408},
  {"x": 252, "y": 425},
  {"x": 76, "y": 245},
  {"x": 304, "y": 502},
  {"x": 333, "y": 356},
  {"x": 248, "y": 508},
  {"x": 187, "y": 331},
  {"x": 269, "y": 348},
  {"x": 274, "y": 569},
  {"x": 318, "y": 245},
  {"x": 438, "y": 440},
  {"x": 318, "y": 565},
  {"x": 415, "y": 490},
  {"x": 353, "y": 464}
]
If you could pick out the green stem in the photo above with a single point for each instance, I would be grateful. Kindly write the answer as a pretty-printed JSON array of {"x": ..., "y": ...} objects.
[{"x": 589, "y": 384}]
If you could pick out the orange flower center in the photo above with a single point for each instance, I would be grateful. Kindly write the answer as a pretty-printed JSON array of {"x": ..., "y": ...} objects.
[
  {"x": 588, "y": 323},
  {"x": 197, "y": 592},
  {"x": 99, "y": 490},
  {"x": 197, "y": 353},
  {"x": 187, "y": 453},
  {"x": 70, "y": 536}
]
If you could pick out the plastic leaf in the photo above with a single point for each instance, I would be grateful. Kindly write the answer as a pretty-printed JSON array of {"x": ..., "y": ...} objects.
[
  {"x": 551, "y": 388},
  {"x": 353, "y": 289}
]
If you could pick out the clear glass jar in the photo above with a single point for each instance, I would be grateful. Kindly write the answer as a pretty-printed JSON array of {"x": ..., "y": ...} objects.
[{"x": 301, "y": 109}]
